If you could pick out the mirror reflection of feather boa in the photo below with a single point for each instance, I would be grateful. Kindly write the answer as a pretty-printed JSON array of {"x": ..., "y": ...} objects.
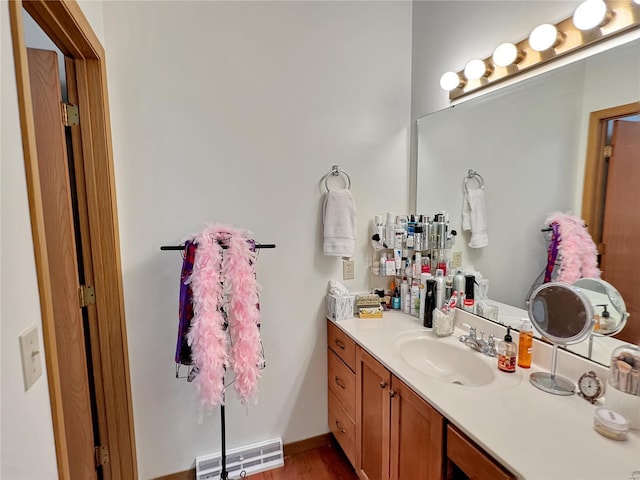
[
  {"x": 577, "y": 251},
  {"x": 225, "y": 281}
]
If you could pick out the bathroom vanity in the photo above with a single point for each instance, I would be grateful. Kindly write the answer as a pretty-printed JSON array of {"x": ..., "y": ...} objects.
[{"x": 405, "y": 404}]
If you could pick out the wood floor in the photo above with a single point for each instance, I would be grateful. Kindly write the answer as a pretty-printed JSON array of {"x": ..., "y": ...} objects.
[{"x": 322, "y": 463}]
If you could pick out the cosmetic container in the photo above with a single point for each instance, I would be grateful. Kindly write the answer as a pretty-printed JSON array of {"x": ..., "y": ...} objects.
[
  {"x": 623, "y": 384},
  {"x": 610, "y": 424},
  {"x": 459, "y": 286},
  {"x": 443, "y": 322}
]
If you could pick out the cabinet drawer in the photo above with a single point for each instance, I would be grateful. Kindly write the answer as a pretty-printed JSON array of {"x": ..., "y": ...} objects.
[
  {"x": 342, "y": 382},
  {"x": 471, "y": 459},
  {"x": 343, "y": 428},
  {"x": 340, "y": 343}
]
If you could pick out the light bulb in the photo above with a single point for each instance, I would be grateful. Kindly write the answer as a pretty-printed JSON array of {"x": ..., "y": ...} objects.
[
  {"x": 543, "y": 37},
  {"x": 475, "y": 69},
  {"x": 450, "y": 81},
  {"x": 505, "y": 54},
  {"x": 589, "y": 14}
]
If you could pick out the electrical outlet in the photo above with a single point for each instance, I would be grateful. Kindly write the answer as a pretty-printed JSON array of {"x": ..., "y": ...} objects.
[
  {"x": 347, "y": 269},
  {"x": 31, "y": 358},
  {"x": 456, "y": 260}
]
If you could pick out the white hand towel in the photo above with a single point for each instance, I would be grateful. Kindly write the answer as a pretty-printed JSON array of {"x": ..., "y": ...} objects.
[
  {"x": 474, "y": 217},
  {"x": 339, "y": 219}
]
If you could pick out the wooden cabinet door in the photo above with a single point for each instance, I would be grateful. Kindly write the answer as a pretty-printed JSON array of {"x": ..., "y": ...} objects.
[
  {"x": 373, "y": 413},
  {"x": 417, "y": 436}
]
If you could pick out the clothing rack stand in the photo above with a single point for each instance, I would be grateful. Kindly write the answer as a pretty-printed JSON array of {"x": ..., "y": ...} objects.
[{"x": 224, "y": 475}]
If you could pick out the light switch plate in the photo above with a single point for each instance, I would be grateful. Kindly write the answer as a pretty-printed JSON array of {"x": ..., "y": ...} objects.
[{"x": 31, "y": 356}]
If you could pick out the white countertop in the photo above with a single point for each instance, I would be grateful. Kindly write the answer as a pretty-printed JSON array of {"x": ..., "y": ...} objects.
[{"x": 535, "y": 435}]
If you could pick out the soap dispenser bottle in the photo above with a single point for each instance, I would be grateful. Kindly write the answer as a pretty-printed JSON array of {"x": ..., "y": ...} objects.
[
  {"x": 525, "y": 343},
  {"x": 507, "y": 352}
]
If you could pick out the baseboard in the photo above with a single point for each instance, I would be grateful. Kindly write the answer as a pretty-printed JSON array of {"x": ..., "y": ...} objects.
[
  {"x": 307, "y": 444},
  {"x": 289, "y": 449}
]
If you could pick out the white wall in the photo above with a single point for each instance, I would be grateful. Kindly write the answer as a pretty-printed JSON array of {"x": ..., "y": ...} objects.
[
  {"x": 233, "y": 112},
  {"x": 26, "y": 439}
]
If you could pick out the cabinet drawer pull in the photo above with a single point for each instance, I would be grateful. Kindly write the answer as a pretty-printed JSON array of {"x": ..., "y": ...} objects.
[
  {"x": 340, "y": 344},
  {"x": 340, "y": 427},
  {"x": 340, "y": 383},
  {"x": 383, "y": 384},
  {"x": 392, "y": 393}
]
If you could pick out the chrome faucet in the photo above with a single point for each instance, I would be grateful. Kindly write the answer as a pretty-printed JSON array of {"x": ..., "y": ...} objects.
[
  {"x": 487, "y": 347},
  {"x": 471, "y": 340}
]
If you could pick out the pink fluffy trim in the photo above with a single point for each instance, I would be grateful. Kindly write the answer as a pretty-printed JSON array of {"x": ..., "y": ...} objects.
[
  {"x": 218, "y": 277},
  {"x": 577, "y": 251}
]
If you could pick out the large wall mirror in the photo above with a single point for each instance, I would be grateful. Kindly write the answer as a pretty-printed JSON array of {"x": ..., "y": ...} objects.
[{"x": 528, "y": 141}]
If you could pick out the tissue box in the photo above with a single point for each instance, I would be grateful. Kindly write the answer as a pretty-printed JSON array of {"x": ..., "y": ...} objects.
[{"x": 340, "y": 307}]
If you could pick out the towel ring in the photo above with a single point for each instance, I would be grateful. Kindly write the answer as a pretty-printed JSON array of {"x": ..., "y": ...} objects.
[
  {"x": 335, "y": 171},
  {"x": 473, "y": 175}
]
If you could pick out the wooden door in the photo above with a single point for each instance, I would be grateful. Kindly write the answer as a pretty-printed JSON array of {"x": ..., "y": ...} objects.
[
  {"x": 62, "y": 257},
  {"x": 621, "y": 226},
  {"x": 373, "y": 417},
  {"x": 417, "y": 436}
]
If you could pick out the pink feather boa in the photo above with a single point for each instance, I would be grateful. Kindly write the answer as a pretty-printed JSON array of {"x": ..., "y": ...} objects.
[
  {"x": 217, "y": 277},
  {"x": 576, "y": 249}
]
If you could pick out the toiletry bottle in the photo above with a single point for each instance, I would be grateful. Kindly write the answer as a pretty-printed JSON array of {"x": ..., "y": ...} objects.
[
  {"x": 417, "y": 237},
  {"x": 383, "y": 265},
  {"x": 459, "y": 286},
  {"x": 414, "y": 308},
  {"x": 430, "y": 303},
  {"x": 468, "y": 303},
  {"x": 395, "y": 301},
  {"x": 417, "y": 265},
  {"x": 525, "y": 343},
  {"x": 507, "y": 353},
  {"x": 378, "y": 227},
  {"x": 404, "y": 294},
  {"x": 440, "y": 286},
  {"x": 389, "y": 238}
]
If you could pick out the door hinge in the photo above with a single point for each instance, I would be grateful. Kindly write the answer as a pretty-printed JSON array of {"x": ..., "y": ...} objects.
[
  {"x": 87, "y": 295},
  {"x": 607, "y": 152},
  {"x": 70, "y": 115},
  {"x": 102, "y": 456}
]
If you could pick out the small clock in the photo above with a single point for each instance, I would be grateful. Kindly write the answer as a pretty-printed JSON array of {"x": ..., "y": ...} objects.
[{"x": 590, "y": 387}]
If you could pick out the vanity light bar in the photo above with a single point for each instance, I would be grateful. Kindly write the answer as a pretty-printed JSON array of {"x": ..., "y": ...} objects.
[{"x": 621, "y": 16}]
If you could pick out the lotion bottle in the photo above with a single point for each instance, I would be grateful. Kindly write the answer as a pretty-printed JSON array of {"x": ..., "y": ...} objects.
[
  {"x": 507, "y": 353},
  {"x": 525, "y": 343}
]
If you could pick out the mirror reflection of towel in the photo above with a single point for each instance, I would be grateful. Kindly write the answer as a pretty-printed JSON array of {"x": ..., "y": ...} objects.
[
  {"x": 474, "y": 217},
  {"x": 339, "y": 219}
]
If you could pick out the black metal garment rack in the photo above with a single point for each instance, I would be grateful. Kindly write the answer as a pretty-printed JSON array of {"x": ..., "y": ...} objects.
[{"x": 224, "y": 475}]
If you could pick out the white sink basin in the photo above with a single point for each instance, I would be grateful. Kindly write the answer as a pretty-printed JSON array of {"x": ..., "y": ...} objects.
[{"x": 444, "y": 360}]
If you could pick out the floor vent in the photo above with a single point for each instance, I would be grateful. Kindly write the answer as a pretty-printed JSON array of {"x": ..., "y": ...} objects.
[{"x": 249, "y": 459}]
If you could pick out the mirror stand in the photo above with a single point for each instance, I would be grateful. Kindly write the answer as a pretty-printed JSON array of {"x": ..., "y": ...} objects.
[{"x": 550, "y": 382}]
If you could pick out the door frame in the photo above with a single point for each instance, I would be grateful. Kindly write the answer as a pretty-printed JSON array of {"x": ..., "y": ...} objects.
[
  {"x": 64, "y": 22},
  {"x": 594, "y": 187}
]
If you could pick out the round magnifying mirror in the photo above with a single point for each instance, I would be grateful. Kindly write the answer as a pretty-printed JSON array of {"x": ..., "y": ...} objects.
[
  {"x": 610, "y": 310},
  {"x": 563, "y": 314}
]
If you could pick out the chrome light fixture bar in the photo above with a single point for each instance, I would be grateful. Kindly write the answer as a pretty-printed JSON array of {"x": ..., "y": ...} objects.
[{"x": 592, "y": 22}]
